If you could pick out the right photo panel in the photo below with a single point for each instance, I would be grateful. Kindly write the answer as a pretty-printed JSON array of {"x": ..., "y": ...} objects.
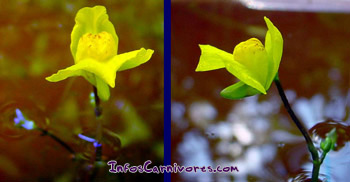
[{"x": 260, "y": 91}]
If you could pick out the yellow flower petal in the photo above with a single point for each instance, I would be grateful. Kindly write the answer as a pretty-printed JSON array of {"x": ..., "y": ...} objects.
[
  {"x": 252, "y": 63},
  {"x": 134, "y": 58},
  {"x": 253, "y": 56},
  {"x": 274, "y": 48},
  {"x": 102, "y": 89},
  {"x": 99, "y": 46},
  {"x": 104, "y": 71},
  {"x": 63, "y": 74},
  {"x": 94, "y": 46},
  {"x": 245, "y": 75},
  {"x": 212, "y": 58},
  {"x": 91, "y": 20}
]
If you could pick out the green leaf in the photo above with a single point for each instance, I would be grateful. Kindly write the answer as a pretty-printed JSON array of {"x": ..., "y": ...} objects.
[
  {"x": 134, "y": 58},
  {"x": 91, "y": 20},
  {"x": 212, "y": 58},
  {"x": 330, "y": 141},
  {"x": 238, "y": 91},
  {"x": 326, "y": 145},
  {"x": 274, "y": 48}
]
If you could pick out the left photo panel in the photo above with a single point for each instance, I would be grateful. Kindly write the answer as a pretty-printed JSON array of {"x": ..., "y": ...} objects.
[{"x": 81, "y": 90}]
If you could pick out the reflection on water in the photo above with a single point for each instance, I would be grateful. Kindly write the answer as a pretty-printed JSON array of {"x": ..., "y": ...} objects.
[
  {"x": 256, "y": 134},
  {"x": 242, "y": 139},
  {"x": 317, "y": 109},
  {"x": 201, "y": 114},
  {"x": 195, "y": 150},
  {"x": 313, "y": 112},
  {"x": 252, "y": 133}
]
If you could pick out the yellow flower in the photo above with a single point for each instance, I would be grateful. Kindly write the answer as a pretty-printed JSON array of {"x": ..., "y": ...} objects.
[
  {"x": 253, "y": 64},
  {"x": 94, "y": 46}
]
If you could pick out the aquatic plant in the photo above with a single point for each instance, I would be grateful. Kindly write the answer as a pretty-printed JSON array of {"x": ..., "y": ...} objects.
[
  {"x": 257, "y": 67},
  {"x": 94, "y": 46}
]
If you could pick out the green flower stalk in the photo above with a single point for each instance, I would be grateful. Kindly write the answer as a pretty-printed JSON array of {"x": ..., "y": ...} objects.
[
  {"x": 253, "y": 64},
  {"x": 94, "y": 46}
]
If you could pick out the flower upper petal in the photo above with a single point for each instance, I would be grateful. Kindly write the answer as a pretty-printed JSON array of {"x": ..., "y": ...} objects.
[
  {"x": 212, "y": 58},
  {"x": 238, "y": 90},
  {"x": 134, "y": 58},
  {"x": 253, "y": 56},
  {"x": 274, "y": 48},
  {"x": 91, "y": 20}
]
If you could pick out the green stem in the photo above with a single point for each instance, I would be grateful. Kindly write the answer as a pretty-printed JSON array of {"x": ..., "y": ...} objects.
[
  {"x": 98, "y": 113},
  {"x": 98, "y": 144},
  {"x": 310, "y": 144},
  {"x": 58, "y": 140},
  {"x": 323, "y": 156},
  {"x": 315, "y": 171}
]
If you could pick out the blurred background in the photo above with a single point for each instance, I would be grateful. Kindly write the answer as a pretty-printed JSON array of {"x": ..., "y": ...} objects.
[
  {"x": 256, "y": 134},
  {"x": 35, "y": 39}
]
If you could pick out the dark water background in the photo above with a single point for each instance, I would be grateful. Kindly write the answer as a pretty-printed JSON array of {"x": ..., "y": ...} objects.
[
  {"x": 35, "y": 39},
  {"x": 256, "y": 134}
]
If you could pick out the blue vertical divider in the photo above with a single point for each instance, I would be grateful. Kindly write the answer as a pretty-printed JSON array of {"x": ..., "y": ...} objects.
[{"x": 167, "y": 87}]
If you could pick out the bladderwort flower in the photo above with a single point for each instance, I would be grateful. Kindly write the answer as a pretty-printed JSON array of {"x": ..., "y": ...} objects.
[
  {"x": 94, "y": 46},
  {"x": 253, "y": 64}
]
